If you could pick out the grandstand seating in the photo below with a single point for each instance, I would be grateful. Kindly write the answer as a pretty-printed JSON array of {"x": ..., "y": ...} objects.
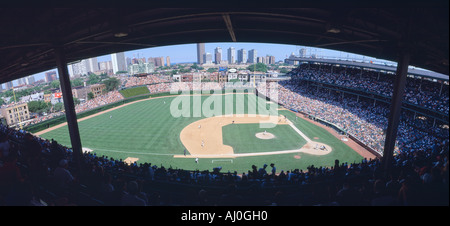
[{"x": 419, "y": 174}]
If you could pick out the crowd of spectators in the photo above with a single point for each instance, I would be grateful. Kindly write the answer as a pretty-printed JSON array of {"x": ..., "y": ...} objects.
[
  {"x": 42, "y": 118},
  {"x": 196, "y": 86},
  {"x": 107, "y": 98},
  {"x": 27, "y": 163},
  {"x": 421, "y": 92},
  {"x": 132, "y": 81},
  {"x": 360, "y": 119},
  {"x": 357, "y": 116}
]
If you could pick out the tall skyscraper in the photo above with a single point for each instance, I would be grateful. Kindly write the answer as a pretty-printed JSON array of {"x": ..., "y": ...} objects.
[
  {"x": 157, "y": 61},
  {"x": 83, "y": 67},
  {"x": 30, "y": 80},
  {"x": 118, "y": 62},
  {"x": 242, "y": 56},
  {"x": 167, "y": 61},
  {"x": 21, "y": 81},
  {"x": 50, "y": 76},
  {"x": 207, "y": 58},
  {"x": 128, "y": 60},
  {"x": 9, "y": 85},
  {"x": 105, "y": 65},
  {"x": 271, "y": 60},
  {"x": 200, "y": 52},
  {"x": 93, "y": 65},
  {"x": 261, "y": 60},
  {"x": 252, "y": 56},
  {"x": 231, "y": 55},
  {"x": 218, "y": 55},
  {"x": 70, "y": 70}
]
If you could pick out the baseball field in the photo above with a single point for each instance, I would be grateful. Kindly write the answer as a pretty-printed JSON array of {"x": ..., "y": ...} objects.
[{"x": 231, "y": 130}]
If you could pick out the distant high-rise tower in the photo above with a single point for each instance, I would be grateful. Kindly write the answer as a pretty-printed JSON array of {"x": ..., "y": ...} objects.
[
  {"x": 9, "y": 85},
  {"x": 161, "y": 59},
  {"x": 168, "y": 61},
  {"x": 218, "y": 55},
  {"x": 231, "y": 55},
  {"x": 302, "y": 52},
  {"x": 93, "y": 65},
  {"x": 242, "y": 56},
  {"x": 207, "y": 58},
  {"x": 118, "y": 62},
  {"x": 252, "y": 56},
  {"x": 50, "y": 76},
  {"x": 30, "y": 80},
  {"x": 200, "y": 52},
  {"x": 128, "y": 60},
  {"x": 271, "y": 60}
]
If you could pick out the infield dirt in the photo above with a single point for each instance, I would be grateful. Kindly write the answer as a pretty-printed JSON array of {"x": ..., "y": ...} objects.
[{"x": 204, "y": 138}]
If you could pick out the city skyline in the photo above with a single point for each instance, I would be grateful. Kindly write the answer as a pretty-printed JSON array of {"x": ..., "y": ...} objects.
[{"x": 187, "y": 53}]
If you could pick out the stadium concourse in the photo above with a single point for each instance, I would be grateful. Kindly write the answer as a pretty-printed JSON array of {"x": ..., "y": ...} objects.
[{"x": 35, "y": 171}]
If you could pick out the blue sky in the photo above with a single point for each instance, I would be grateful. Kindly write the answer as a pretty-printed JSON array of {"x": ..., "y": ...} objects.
[{"x": 188, "y": 52}]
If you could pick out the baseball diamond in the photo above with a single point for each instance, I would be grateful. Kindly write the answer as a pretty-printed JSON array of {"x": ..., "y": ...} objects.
[{"x": 154, "y": 135}]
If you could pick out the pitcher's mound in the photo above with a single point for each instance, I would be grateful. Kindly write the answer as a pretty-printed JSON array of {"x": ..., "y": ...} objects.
[{"x": 265, "y": 135}]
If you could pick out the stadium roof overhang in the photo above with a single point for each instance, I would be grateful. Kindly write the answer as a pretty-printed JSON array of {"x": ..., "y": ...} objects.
[{"x": 29, "y": 35}]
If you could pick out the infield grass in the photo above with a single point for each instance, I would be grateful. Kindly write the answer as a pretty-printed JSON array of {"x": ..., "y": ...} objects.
[{"x": 243, "y": 140}]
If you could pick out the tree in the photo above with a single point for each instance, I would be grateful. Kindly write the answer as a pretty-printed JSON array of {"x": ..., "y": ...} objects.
[
  {"x": 93, "y": 79},
  {"x": 33, "y": 106},
  {"x": 39, "y": 106},
  {"x": 257, "y": 67},
  {"x": 187, "y": 70},
  {"x": 90, "y": 96},
  {"x": 76, "y": 101},
  {"x": 54, "y": 84},
  {"x": 111, "y": 84},
  {"x": 194, "y": 66},
  {"x": 76, "y": 82},
  {"x": 212, "y": 69},
  {"x": 7, "y": 93},
  {"x": 58, "y": 107}
]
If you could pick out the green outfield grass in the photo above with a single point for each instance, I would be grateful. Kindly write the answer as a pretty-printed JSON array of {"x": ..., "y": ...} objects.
[{"x": 148, "y": 131}]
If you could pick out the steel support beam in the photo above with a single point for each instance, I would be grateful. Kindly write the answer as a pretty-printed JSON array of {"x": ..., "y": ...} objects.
[
  {"x": 226, "y": 18},
  {"x": 395, "y": 111},
  {"x": 69, "y": 106}
]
